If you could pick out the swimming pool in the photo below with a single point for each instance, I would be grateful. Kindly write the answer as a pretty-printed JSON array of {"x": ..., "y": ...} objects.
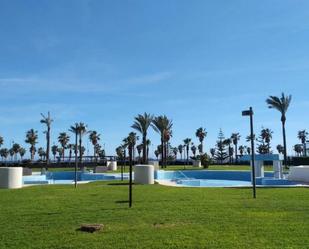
[
  {"x": 217, "y": 178},
  {"x": 68, "y": 177}
]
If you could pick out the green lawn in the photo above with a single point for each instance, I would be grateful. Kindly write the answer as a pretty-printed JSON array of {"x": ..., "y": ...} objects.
[{"x": 162, "y": 217}]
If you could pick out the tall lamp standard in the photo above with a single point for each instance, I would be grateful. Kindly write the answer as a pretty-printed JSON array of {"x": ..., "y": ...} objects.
[{"x": 250, "y": 114}]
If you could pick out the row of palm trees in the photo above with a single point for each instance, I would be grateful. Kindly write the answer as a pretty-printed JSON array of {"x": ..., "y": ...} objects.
[
  {"x": 162, "y": 125},
  {"x": 13, "y": 152},
  {"x": 142, "y": 122},
  {"x": 78, "y": 129}
]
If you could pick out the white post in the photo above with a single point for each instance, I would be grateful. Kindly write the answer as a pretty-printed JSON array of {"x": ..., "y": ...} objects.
[
  {"x": 259, "y": 168},
  {"x": 277, "y": 168}
]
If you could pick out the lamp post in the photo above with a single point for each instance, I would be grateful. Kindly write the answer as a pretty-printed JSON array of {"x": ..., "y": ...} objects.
[
  {"x": 250, "y": 114},
  {"x": 130, "y": 180},
  {"x": 76, "y": 159}
]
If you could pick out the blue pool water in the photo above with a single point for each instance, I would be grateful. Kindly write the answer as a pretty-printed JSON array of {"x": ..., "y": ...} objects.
[
  {"x": 67, "y": 177},
  {"x": 218, "y": 178},
  {"x": 195, "y": 178}
]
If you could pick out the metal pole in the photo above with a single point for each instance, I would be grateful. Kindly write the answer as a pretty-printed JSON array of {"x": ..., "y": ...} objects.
[
  {"x": 130, "y": 183},
  {"x": 76, "y": 161},
  {"x": 252, "y": 153}
]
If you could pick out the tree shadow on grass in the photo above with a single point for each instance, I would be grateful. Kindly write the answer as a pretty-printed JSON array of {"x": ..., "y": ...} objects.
[
  {"x": 119, "y": 184},
  {"x": 122, "y": 202}
]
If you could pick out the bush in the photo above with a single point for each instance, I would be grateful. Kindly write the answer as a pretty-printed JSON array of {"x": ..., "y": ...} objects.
[{"x": 205, "y": 160}]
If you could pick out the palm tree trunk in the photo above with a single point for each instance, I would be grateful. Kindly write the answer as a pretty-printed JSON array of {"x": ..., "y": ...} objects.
[
  {"x": 284, "y": 145},
  {"x": 165, "y": 154},
  {"x": 63, "y": 150},
  {"x": 144, "y": 149},
  {"x": 47, "y": 146},
  {"x": 147, "y": 154},
  {"x": 94, "y": 153},
  {"x": 80, "y": 148},
  {"x": 162, "y": 153},
  {"x": 188, "y": 155}
]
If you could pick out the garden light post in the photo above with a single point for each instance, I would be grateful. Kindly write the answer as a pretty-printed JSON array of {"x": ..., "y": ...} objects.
[
  {"x": 130, "y": 182},
  {"x": 250, "y": 113},
  {"x": 76, "y": 159}
]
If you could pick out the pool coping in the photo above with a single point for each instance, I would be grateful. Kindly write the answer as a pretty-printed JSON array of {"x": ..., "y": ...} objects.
[{"x": 169, "y": 183}]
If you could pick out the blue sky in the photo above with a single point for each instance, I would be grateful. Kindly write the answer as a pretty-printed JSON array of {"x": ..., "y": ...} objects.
[{"x": 199, "y": 62}]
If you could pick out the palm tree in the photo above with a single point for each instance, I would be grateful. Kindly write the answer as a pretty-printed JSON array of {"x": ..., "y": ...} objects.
[
  {"x": 82, "y": 130},
  {"x": 97, "y": 148},
  {"x": 125, "y": 147},
  {"x": 248, "y": 150},
  {"x": 60, "y": 152},
  {"x": 228, "y": 142},
  {"x": 16, "y": 147},
  {"x": 302, "y": 136},
  {"x": 187, "y": 143},
  {"x": 47, "y": 120},
  {"x": 141, "y": 124},
  {"x": 130, "y": 142},
  {"x": 266, "y": 135},
  {"x": 41, "y": 152},
  {"x": 298, "y": 149},
  {"x": 11, "y": 152},
  {"x": 157, "y": 153},
  {"x": 4, "y": 153},
  {"x": 119, "y": 152},
  {"x": 75, "y": 130},
  {"x": 31, "y": 138},
  {"x": 1, "y": 141},
  {"x": 193, "y": 149},
  {"x": 175, "y": 151},
  {"x": 22, "y": 152},
  {"x": 54, "y": 150},
  {"x": 63, "y": 139},
  {"x": 235, "y": 138},
  {"x": 280, "y": 149},
  {"x": 139, "y": 149},
  {"x": 282, "y": 105},
  {"x": 71, "y": 148},
  {"x": 241, "y": 150},
  {"x": 94, "y": 138},
  {"x": 163, "y": 126},
  {"x": 180, "y": 149},
  {"x": 201, "y": 134}
]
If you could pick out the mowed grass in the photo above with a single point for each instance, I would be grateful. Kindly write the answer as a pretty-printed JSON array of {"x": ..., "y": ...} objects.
[{"x": 161, "y": 217}]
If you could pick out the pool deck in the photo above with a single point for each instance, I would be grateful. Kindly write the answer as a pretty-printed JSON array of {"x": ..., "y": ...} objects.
[{"x": 169, "y": 183}]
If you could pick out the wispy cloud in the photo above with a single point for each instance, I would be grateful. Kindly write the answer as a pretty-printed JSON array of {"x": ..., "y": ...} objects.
[{"x": 35, "y": 84}]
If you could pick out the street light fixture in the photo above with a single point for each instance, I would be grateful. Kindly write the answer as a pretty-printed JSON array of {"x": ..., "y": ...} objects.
[{"x": 250, "y": 114}]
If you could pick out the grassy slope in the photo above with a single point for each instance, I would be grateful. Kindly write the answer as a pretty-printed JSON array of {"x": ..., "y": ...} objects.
[{"x": 162, "y": 217}]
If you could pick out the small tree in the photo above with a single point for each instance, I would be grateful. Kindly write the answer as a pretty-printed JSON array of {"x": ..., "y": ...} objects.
[{"x": 221, "y": 154}]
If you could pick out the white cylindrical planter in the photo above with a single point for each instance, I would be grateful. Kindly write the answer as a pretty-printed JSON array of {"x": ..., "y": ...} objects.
[
  {"x": 112, "y": 165},
  {"x": 299, "y": 173},
  {"x": 11, "y": 177},
  {"x": 144, "y": 174},
  {"x": 277, "y": 168}
]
